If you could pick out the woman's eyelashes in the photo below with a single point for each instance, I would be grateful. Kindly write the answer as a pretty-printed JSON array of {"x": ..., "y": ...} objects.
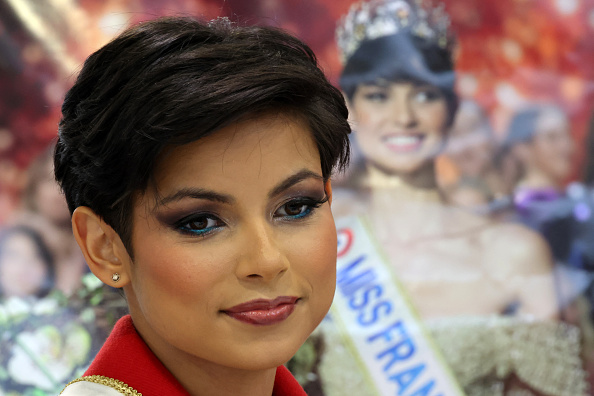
[
  {"x": 426, "y": 94},
  {"x": 199, "y": 224},
  {"x": 299, "y": 208},
  {"x": 204, "y": 224},
  {"x": 376, "y": 95},
  {"x": 418, "y": 94}
]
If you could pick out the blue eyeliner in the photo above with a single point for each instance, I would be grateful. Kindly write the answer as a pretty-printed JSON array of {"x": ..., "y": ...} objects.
[
  {"x": 181, "y": 225},
  {"x": 310, "y": 205}
]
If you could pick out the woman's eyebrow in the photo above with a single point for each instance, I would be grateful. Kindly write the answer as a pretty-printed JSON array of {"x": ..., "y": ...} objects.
[
  {"x": 292, "y": 180},
  {"x": 201, "y": 193},
  {"x": 196, "y": 193}
]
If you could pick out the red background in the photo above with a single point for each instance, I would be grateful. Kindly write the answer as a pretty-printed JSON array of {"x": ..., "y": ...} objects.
[{"x": 510, "y": 52}]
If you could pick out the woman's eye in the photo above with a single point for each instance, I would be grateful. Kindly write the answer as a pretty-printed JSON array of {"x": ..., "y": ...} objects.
[
  {"x": 293, "y": 209},
  {"x": 298, "y": 209},
  {"x": 199, "y": 225},
  {"x": 376, "y": 96},
  {"x": 427, "y": 95}
]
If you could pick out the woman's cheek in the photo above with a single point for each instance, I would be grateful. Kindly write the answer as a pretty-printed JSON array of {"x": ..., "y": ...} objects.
[
  {"x": 325, "y": 250},
  {"x": 366, "y": 124},
  {"x": 177, "y": 268}
]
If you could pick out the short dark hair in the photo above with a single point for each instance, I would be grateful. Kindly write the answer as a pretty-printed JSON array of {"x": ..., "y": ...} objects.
[
  {"x": 175, "y": 80},
  {"x": 523, "y": 127},
  {"x": 523, "y": 124},
  {"x": 402, "y": 56}
]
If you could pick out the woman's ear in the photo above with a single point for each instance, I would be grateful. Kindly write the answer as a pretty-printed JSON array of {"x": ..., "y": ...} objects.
[
  {"x": 102, "y": 247},
  {"x": 328, "y": 189}
]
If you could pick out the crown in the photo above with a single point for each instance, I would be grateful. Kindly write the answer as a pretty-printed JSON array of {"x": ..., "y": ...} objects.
[{"x": 368, "y": 20}]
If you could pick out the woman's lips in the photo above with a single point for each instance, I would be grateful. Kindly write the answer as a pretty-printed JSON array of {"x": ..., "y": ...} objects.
[{"x": 263, "y": 312}]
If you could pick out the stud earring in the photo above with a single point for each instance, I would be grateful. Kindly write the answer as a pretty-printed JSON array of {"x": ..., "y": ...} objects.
[{"x": 115, "y": 277}]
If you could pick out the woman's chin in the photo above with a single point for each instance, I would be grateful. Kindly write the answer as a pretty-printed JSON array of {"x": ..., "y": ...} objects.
[
  {"x": 404, "y": 166},
  {"x": 269, "y": 358}
]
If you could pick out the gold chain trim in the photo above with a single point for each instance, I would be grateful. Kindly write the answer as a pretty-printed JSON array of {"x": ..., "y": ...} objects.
[{"x": 112, "y": 383}]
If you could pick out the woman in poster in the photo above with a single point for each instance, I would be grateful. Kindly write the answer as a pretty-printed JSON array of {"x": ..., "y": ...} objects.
[{"x": 484, "y": 290}]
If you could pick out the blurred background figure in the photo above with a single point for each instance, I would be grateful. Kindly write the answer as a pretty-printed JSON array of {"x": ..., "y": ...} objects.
[
  {"x": 477, "y": 284},
  {"x": 509, "y": 52},
  {"x": 26, "y": 264},
  {"x": 54, "y": 314},
  {"x": 471, "y": 148},
  {"x": 44, "y": 212},
  {"x": 587, "y": 173},
  {"x": 540, "y": 146},
  {"x": 470, "y": 193},
  {"x": 540, "y": 143},
  {"x": 539, "y": 154},
  {"x": 471, "y": 144}
]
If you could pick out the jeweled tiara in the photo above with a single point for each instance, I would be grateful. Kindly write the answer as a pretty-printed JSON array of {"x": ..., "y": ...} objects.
[{"x": 368, "y": 20}]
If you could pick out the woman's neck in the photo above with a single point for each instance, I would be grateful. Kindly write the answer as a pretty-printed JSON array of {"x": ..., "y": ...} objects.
[
  {"x": 408, "y": 207},
  {"x": 536, "y": 179},
  {"x": 417, "y": 186},
  {"x": 228, "y": 382}
]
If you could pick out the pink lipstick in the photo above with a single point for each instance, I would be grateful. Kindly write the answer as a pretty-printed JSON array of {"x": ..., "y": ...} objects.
[{"x": 263, "y": 312}]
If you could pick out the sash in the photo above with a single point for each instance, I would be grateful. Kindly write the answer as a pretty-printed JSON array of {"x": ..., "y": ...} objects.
[{"x": 378, "y": 323}]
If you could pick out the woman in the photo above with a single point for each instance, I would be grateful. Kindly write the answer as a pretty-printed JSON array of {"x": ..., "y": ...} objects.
[
  {"x": 44, "y": 210},
  {"x": 539, "y": 141},
  {"x": 471, "y": 142},
  {"x": 26, "y": 264},
  {"x": 478, "y": 285},
  {"x": 196, "y": 159},
  {"x": 471, "y": 148}
]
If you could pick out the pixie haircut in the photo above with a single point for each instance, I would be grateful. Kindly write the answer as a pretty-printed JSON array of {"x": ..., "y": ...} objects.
[
  {"x": 402, "y": 57},
  {"x": 396, "y": 41},
  {"x": 523, "y": 125},
  {"x": 172, "y": 81}
]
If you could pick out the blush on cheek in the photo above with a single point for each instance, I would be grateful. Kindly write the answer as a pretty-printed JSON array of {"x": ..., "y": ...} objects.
[
  {"x": 179, "y": 274},
  {"x": 325, "y": 252}
]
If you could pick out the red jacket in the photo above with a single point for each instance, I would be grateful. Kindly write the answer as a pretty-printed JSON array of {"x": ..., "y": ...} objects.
[{"x": 127, "y": 358}]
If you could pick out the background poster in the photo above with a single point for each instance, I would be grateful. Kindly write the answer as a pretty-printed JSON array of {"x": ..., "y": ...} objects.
[{"x": 510, "y": 53}]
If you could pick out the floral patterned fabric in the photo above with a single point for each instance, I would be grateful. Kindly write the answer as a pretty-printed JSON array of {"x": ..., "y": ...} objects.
[
  {"x": 489, "y": 356},
  {"x": 46, "y": 342}
]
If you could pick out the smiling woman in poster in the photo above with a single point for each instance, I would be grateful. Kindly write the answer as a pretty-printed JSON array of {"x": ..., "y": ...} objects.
[{"x": 483, "y": 290}]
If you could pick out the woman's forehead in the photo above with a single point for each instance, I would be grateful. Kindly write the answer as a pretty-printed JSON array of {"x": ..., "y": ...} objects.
[
  {"x": 396, "y": 82},
  {"x": 551, "y": 119},
  {"x": 271, "y": 141}
]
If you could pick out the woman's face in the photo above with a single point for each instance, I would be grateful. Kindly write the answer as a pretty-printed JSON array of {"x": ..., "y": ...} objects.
[
  {"x": 49, "y": 200},
  {"x": 469, "y": 144},
  {"x": 22, "y": 269},
  {"x": 234, "y": 257},
  {"x": 552, "y": 147},
  {"x": 400, "y": 125}
]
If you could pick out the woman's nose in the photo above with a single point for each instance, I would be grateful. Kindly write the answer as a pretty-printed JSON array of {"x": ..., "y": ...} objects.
[
  {"x": 402, "y": 112},
  {"x": 263, "y": 258}
]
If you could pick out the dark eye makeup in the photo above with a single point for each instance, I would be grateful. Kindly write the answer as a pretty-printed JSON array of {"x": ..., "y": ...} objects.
[
  {"x": 198, "y": 224},
  {"x": 204, "y": 223},
  {"x": 299, "y": 208}
]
